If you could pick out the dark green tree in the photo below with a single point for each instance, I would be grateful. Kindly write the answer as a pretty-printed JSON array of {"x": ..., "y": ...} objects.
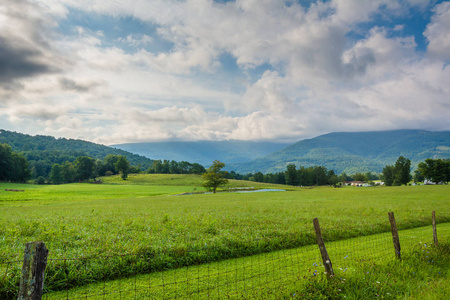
[
  {"x": 197, "y": 169},
  {"x": 435, "y": 170},
  {"x": 122, "y": 166},
  {"x": 343, "y": 178},
  {"x": 402, "y": 169},
  {"x": 67, "y": 172},
  {"x": 21, "y": 168},
  {"x": 321, "y": 175},
  {"x": 13, "y": 166},
  {"x": 173, "y": 167},
  {"x": 334, "y": 180},
  {"x": 388, "y": 175},
  {"x": 259, "y": 177},
  {"x": 84, "y": 168},
  {"x": 55, "y": 174},
  {"x": 418, "y": 177},
  {"x": 214, "y": 177},
  {"x": 291, "y": 175},
  {"x": 6, "y": 162},
  {"x": 100, "y": 167},
  {"x": 359, "y": 177},
  {"x": 109, "y": 164}
]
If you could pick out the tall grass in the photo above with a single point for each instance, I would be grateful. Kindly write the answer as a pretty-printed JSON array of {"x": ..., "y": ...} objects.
[
  {"x": 365, "y": 268},
  {"x": 79, "y": 220}
]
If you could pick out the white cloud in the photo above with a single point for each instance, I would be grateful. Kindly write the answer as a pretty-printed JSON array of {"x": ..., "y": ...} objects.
[
  {"x": 136, "y": 40},
  {"x": 438, "y": 32},
  {"x": 314, "y": 77}
]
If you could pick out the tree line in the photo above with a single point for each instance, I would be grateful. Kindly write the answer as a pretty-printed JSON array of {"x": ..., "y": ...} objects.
[
  {"x": 15, "y": 167},
  {"x": 435, "y": 170},
  {"x": 86, "y": 168},
  {"x": 174, "y": 167},
  {"x": 42, "y": 152}
]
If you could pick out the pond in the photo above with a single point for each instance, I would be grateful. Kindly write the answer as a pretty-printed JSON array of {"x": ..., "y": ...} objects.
[{"x": 257, "y": 191}]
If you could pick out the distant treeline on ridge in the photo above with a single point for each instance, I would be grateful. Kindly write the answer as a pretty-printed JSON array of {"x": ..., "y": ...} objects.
[{"x": 46, "y": 159}]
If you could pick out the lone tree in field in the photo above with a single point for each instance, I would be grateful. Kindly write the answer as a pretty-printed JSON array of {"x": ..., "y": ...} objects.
[{"x": 214, "y": 177}]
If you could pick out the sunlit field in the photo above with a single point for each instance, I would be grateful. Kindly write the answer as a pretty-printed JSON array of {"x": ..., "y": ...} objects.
[{"x": 143, "y": 216}]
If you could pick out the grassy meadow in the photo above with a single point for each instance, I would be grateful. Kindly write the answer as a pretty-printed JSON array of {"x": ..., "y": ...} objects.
[
  {"x": 146, "y": 215},
  {"x": 364, "y": 268}
]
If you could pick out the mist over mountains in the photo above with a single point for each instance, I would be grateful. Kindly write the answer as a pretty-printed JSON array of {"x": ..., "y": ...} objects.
[
  {"x": 348, "y": 152},
  {"x": 352, "y": 152},
  {"x": 204, "y": 152}
]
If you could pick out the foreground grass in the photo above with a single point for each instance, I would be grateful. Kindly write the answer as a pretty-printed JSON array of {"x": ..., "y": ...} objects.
[
  {"x": 79, "y": 220},
  {"x": 365, "y": 268},
  {"x": 86, "y": 219}
]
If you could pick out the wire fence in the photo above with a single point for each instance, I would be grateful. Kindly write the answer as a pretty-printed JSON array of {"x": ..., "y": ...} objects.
[{"x": 200, "y": 274}]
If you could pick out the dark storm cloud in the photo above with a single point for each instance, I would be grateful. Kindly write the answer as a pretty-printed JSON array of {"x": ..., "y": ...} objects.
[
  {"x": 19, "y": 62},
  {"x": 25, "y": 50}
]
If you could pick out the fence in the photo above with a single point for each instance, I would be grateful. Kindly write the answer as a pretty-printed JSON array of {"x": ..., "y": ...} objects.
[{"x": 197, "y": 274}]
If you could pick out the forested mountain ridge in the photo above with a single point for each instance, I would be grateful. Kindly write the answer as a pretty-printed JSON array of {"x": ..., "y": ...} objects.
[
  {"x": 204, "y": 152},
  {"x": 43, "y": 151},
  {"x": 349, "y": 152},
  {"x": 353, "y": 152}
]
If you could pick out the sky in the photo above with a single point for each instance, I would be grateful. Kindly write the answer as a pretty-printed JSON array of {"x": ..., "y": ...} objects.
[{"x": 122, "y": 71}]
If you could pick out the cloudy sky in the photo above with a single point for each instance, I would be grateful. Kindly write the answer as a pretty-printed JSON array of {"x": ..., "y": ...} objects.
[{"x": 116, "y": 71}]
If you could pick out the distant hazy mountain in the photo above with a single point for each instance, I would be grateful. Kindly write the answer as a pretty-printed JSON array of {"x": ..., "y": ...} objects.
[
  {"x": 353, "y": 152},
  {"x": 348, "y": 152},
  {"x": 204, "y": 152}
]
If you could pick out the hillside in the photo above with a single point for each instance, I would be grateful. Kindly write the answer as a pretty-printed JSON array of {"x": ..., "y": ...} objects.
[
  {"x": 46, "y": 148},
  {"x": 352, "y": 152},
  {"x": 204, "y": 152}
]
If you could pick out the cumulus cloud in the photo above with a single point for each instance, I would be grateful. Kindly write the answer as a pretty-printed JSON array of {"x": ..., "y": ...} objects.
[
  {"x": 438, "y": 32},
  {"x": 298, "y": 70}
]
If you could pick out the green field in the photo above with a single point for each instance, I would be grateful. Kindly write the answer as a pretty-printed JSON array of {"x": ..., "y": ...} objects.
[
  {"x": 364, "y": 268},
  {"x": 145, "y": 215}
]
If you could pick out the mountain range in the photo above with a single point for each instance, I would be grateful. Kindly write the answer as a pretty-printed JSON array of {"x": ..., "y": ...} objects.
[
  {"x": 353, "y": 152},
  {"x": 348, "y": 152},
  {"x": 204, "y": 152}
]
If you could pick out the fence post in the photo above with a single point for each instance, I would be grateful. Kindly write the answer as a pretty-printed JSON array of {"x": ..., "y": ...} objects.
[
  {"x": 433, "y": 217},
  {"x": 32, "y": 278},
  {"x": 395, "y": 237},
  {"x": 323, "y": 251}
]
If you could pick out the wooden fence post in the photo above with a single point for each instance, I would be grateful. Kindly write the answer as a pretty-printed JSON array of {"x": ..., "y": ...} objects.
[
  {"x": 395, "y": 237},
  {"x": 433, "y": 217},
  {"x": 323, "y": 251},
  {"x": 32, "y": 278}
]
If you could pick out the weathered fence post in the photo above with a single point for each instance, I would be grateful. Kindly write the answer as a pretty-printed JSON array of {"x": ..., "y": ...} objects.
[
  {"x": 323, "y": 251},
  {"x": 32, "y": 278},
  {"x": 395, "y": 237},
  {"x": 433, "y": 217}
]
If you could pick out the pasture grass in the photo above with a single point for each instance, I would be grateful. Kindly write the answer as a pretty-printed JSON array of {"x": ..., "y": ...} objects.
[
  {"x": 185, "y": 180},
  {"x": 90, "y": 220},
  {"x": 365, "y": 268}
]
